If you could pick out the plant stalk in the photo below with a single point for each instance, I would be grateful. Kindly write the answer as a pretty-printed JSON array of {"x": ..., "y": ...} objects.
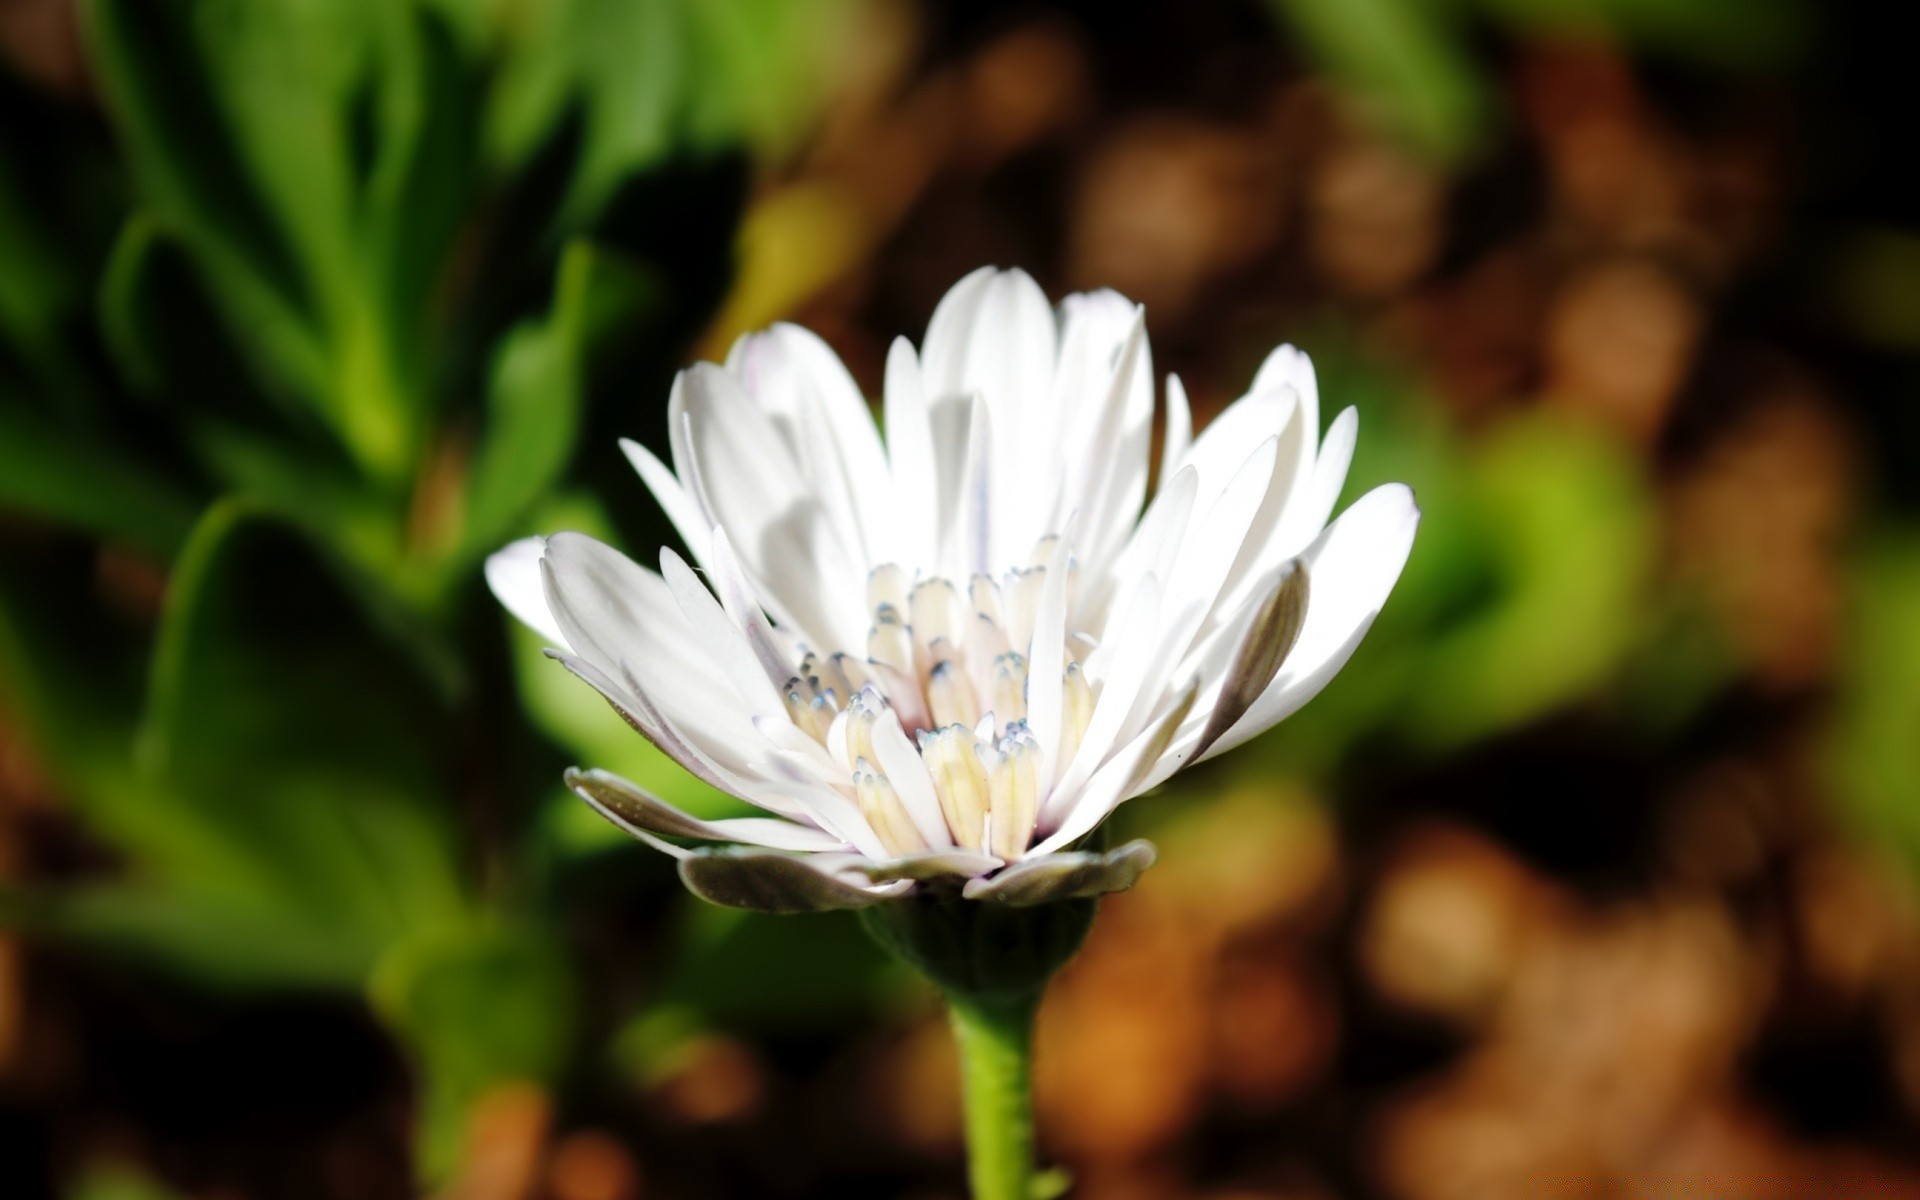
[{"x": 995, "y": 1039}]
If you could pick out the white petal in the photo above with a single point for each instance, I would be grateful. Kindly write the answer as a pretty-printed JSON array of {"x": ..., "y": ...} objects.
[
  {"x": 903, "y": 767},
  {"x": 742, "y": 471},
  {"x": 1121, "y": 778},
  {"x": 737, "y": 596},
  {"x": 723, "y": 641},
  {"x": 1288, "y": 367},
  {"x": 910, "y": 459},
  {"x": 689, "y": 520},
  {"x": 1106, "y": 447},
  {"x": 1179, "y": 429},
  {"x": 513, "y": 572},
  {"x": 1046, "y": 658},
  {"x": 1353, "y": 567},
  {"x": 1134, "y": 652},
  {"x": 639, "y": 812}
]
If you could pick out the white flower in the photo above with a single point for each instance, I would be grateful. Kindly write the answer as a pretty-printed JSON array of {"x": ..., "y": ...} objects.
[{"x": 951, "y": 654}]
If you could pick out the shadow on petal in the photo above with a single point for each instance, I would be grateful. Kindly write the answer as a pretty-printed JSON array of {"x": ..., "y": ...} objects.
[
  {"x": 769, "y": 881},
  {"x": 1066, "y": 876},
  {"x": 939, "y": 864}
]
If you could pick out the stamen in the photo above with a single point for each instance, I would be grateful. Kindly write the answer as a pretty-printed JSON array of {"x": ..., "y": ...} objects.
[
  {"x": 889, "y": 642},
  {"x": 951, "y": 696},
  {"x": 1076, "y": 710},
  {"x": 903, "y": 694},
  {"x": 960, "y": 782},
  {"x": 848, "y": 674},
  {"x": 934, "y": 611},
  {"x": 986, "y": 641},
  {"x": 862, "y": 712},
  {"x": 810, "y": 707},
  {"x": 984, "y": 595},
  {"x": 1014, "y": 783},
  {"x": 954, "y": 669},
  {"x": 1023, "y": 604},
  {"x": 881, "y": 806},
  {"x": 1009, "y": 696},
  {"x": 887, "y": 585}
]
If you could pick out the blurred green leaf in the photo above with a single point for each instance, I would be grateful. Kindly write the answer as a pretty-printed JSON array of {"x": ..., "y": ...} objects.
[
  {"x": 1571, "y": 528},
  {"x": 219, "y": 940},
  {"x": 645, "y": 79},
  {"x": 107, "y": 1182},
  {"x": 496, "y": 1006},
  {"x": 194, "y": 172},
  {"x": 35, "y": 288},
  {"x": 1873, "y": 751},
  {"x": 1735, "y": 33},
  {"x": 72, "y": 677},
  {"x": 1404, "y": 60},
  {"x": 535, "y": 395},
  {"x": 285, "y": 768},
  {"x": 76, "y": 479},
  {"x": 291, "y": 721},
  {"x": 319, "y": 159},
  {"x": 824, "y": 967}
]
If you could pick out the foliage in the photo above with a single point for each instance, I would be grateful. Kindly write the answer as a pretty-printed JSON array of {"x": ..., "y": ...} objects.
[{"x": 318, "y": 322}]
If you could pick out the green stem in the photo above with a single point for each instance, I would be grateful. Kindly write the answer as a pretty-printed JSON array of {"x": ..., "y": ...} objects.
[{"x": 995, "y": 1037}]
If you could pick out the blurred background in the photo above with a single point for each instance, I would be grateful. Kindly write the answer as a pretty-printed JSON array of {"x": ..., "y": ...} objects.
[{"x": 1593, "y": 875}]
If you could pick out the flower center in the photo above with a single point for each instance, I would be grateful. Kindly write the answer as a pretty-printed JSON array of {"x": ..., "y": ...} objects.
[{"x": 944, "y": 662}]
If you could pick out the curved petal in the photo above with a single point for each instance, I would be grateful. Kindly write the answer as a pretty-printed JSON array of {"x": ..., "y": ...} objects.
[
  {"x": 936, "y": 864},
  {"x": 1070, "y": 875},
  {"x": 1355, "y": 564},
  {"x": 773, "y": 882},
  {"x": 513, "y": 573},
  {"x": 634, "y": 809}
]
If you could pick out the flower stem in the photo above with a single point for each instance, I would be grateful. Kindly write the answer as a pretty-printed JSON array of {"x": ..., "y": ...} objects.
[{"x": 995, "y": 1038}]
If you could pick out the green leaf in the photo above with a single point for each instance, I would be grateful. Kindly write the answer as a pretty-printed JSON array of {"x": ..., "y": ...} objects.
[
  {"x": 648, "y": 79},
  {"x": 533, "y": 410},
  {"x": 319, "y": 158},
  {"x": 194, "y": 172},
  {"x": 281, "y": 720},
  {"x": 1402, "y": 59},
  {"x": 74, "y": 479},
  {"x": 476, "y": 1011},
  {"x": 1872, "y": 754},
  {"x": 113, "y": 1182},
  {"x": 1571, "y": 528},
  {"x": 71, "y": 668},
  {"x": 212, "y": 938}
]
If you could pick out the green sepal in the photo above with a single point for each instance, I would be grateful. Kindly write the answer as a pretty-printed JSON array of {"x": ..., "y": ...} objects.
[{"x": 987, "y": 952}]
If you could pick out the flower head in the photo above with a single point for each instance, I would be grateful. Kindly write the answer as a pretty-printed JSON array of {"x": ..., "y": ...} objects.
[{"x": 948, "y": 655}]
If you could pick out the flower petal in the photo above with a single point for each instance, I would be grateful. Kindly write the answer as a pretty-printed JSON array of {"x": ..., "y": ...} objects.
[
  {"x": 773, "y": 882},
  {"x": 907, "y": 771},
  {"x": 634, "y": 809},
  {"x": 1123, "y": 776},
  {"x": 936, "y": 864},
  {"x": 1355, "y": 564},
  {"x": 690, "y": 520},
  {"x": 513, "y": 572},
  {"x": 910, "y": 463},
  {"x": 1179, "y": 429},
  {"x": 1270, "y": 637},
  {"x": 1066, "y": 876}
]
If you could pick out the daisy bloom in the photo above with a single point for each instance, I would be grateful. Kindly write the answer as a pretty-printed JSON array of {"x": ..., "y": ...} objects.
[{"x": 938, "y": 659}]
